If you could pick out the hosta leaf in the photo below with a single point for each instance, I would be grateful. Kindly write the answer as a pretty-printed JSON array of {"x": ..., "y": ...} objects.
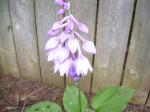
[
  {"x": 71, "y": 100},
  {"x": 45, "y": 106},
  {"x": 112, "y": 99}
]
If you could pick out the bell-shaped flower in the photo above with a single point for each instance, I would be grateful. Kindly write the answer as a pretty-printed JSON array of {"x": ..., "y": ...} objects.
[
  {"x": 89, "y": 46},
  {"x": 73, "y": 44},
  {"x": 64, "y": 49},
  {"x": 82, "y": 27},
  {"x": 63, "y": 68},
  {"x": 52, "y": 43},
  {"x": 83, "y": 65},
  {"x": 57, "y": 26}
]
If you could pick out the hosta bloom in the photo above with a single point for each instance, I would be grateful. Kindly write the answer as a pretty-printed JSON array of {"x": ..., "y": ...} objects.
[{"x": 64, "y": 46}]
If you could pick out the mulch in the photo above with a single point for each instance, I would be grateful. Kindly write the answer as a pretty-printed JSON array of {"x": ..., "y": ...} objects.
[{"x": 17, "y": 94}]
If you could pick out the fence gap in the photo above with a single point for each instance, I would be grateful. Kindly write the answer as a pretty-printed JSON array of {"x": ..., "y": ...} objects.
[
  {"x": 128, "y": 43},
  {"x": 95, "y": 35}
]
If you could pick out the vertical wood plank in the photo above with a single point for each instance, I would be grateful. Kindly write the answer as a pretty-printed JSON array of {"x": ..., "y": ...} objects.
[
  {"x": 22, "y": 15},
  {"x": 8, "y": 60},
  {"x": 85, "y": 12},
  {"x": 137, "y": 72},
  {"x": 45, "y": 17},
  {"x": 114, "y": 21},
  {"x": 148, "y": 103}
]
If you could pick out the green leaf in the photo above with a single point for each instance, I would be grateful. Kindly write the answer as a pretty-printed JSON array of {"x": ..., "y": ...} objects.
[
  {"x": 45, "y": 106},
  {"x": 71, "y": 100},
  {"x": 112, "y": 99}
]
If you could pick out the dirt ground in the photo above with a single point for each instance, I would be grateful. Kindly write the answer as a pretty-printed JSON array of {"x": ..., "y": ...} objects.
[{"x": 17, "y": 94}]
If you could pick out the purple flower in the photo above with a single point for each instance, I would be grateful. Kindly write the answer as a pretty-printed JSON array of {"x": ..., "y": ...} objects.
[
  {"x": 65, "y": 6},
  {"x": 64, "y": 46}
]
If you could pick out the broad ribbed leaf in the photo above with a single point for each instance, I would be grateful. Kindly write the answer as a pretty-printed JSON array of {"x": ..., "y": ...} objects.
[
  {"x": 71, "y": 100},
  {"x": 45, "y": 106},
  {"x": 112, "y": 99}
]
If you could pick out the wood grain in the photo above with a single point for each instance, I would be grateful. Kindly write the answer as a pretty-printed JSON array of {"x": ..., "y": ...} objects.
[
  {"x": 45, "y": 17},
  {"x": 8, "y": 60},
  {"x": 137, "y": 72},
  {"x": 114, "y": 21},
  {"x": 85, "y": 11},
  {"x": 22, "y": 14}
]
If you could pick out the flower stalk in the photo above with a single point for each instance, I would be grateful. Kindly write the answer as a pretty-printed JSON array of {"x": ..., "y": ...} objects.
[{"x": 80, "y": 104}]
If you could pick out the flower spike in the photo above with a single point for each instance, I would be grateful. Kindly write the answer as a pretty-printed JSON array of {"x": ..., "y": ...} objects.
[{"x": 63, "y": 47}]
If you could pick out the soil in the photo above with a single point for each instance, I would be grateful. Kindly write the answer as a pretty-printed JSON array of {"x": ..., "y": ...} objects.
[{"x": 17, "y": 94}]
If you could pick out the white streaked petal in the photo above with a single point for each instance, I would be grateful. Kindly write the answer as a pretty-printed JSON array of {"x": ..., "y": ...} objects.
[
  {"x": 52, "y": 55},
  {"x": 73, "y": 45},
  {"x": 63, "y": 54},
  {"x": 56, "y": 66},
  {"x": 83, "y": 65},
  {"x": 89, "y": 47},
  {"x": 52, "y": 43},
  {"x": 64, "y": 68}
]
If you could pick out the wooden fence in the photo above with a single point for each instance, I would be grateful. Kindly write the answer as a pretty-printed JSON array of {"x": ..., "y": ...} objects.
[{"x": 119, "y": 28}]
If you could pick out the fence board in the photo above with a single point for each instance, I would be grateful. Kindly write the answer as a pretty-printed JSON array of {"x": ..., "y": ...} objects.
[
  {"x": 112, "y": 34},
  {"x": 137, "y": 72},
  {"x": 80, "y": 9},
  {"x": 46, "y": 16},
  {"x": 22, "y": 14},
  {"x": 8, "y": 60},
  {"x": 148, "y": 103}
]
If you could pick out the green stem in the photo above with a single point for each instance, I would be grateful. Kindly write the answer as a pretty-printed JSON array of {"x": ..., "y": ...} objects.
[
  {"x": 78, "y": 86},
  {"x": 69, "y": 12}
]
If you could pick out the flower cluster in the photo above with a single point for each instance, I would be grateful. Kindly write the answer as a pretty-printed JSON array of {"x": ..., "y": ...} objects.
[{"x": 63, "y": 47}]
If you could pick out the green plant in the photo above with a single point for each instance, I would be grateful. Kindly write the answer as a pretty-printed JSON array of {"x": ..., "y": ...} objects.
[
  {"x": 110, "y": 99},
  {"x": 45, "y": 106}
]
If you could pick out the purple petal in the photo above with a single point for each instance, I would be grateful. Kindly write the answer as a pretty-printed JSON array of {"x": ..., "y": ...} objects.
[
  {"x": 53, "y": 32},
  {"x": 83, "y": 28},
  {"x": 73, "y": 73},
  {"x": 51, "y": 43},
  {"x": 89, "y": 47},
  {"x": 56, "y": 25},
  {"x": 61, "y": 11},
  {"x": 73, "y": 45},
  {"x": 59, "y": 2},
  {"x": 66, "y": 6},
  {"x": 70, "y": 26},
  {"x": 63, "y": 37}
]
